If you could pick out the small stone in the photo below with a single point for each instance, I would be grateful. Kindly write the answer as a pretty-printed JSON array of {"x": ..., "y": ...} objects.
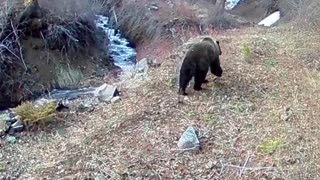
[
  {"x": 11, "y": 139},
  {"x": 106, "y": 92},
  {"x": 142, "y": 65},
  {"x": 3, "y": 127},
  {"x": 100, "y": 177},
  {"x": 189, "y": 139},
  {"x": 16, "y": 127},
  {"x": 287, "y": 114},
  {"x": 85, "y": 107},
  {"x": 153, "y": 7},
  {"x": 115, "y": 99},
  {"x": 2, "y": 167},
  {"x": 173, "y": 56}
]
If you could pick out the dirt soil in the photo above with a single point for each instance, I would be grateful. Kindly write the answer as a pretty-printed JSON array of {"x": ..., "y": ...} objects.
[
  {"x": 259, "y": 121},
  {"x": 54, "y": 70}
]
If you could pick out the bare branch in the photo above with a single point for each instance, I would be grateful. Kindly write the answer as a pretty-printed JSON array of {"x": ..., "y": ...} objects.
[{"x": 19, "y": 45}]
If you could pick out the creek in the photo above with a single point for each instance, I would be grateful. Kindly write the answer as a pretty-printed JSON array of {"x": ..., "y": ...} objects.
[{"x": 120, "y": 50}]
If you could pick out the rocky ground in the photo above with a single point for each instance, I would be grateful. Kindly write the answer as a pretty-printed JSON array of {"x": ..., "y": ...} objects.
[{"x": 259, "y": 121}]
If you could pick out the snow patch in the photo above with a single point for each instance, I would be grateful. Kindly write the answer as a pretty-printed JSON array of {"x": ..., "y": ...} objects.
[{"x": 271, "y": 19}]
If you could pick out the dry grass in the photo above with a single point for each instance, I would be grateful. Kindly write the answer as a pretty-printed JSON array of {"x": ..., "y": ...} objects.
[
  {"x": 135, "y": 20},
  {"x": 256, "y": 122},
  {"x": 31, "y": 115},
  {"x": 142, "y": 25},
  {"x": 304, "y": 13}
]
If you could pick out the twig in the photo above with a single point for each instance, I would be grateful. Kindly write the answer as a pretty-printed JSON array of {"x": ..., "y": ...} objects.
[
  {"x": 6, "y": 37},
  {"x": 244, "y": 165},
  {"x": 45, "y": 46},
  {"x": 204, "y": 134},
  {"x": 2, "y": 45},
  {"x": 18, "y": 42},
  {"x": 251, "y": 168},
  {"x": 222, "y": 168},
  {"x": 115, "y": 15},
  {"x": 67, "y": 32}
]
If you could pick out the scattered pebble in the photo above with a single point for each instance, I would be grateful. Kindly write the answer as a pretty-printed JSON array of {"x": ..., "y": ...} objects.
[
  {"x": 115, "y": 99},
  {"x": 85, "y": 107},
  {"x": 2, "y": 167},
  {"x": 153, "y": 7},
  {"x": 11, "y": 139}
]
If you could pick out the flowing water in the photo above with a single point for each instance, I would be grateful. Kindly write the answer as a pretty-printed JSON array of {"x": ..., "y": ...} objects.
[
  {"x": 119, "y": 49},
  {"x": 230, "y": 4}
]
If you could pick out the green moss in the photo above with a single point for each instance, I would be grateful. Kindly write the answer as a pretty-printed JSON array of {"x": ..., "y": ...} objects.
[
  {"x": 271, "y": 146},
  {"x": 211, "y": 119},
  {"x": 172, "y": 82}
]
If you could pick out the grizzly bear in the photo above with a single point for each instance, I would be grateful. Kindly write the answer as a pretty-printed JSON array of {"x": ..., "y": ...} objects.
[{"x": 196, "y": 63}]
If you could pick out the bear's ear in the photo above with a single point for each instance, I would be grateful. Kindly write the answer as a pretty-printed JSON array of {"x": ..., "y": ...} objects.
[{"x": 220, "y": 52}]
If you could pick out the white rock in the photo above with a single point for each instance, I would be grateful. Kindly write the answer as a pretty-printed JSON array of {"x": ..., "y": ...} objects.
[{"x": 106, "y": 92}]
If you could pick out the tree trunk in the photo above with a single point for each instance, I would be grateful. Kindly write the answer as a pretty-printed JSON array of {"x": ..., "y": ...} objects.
[
  {"x": 32, "y": 10},
  {"x": 219, "y": 7}
]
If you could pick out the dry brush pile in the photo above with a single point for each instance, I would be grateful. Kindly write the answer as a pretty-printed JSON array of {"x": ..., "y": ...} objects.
[{"x": 70, "y": 35}]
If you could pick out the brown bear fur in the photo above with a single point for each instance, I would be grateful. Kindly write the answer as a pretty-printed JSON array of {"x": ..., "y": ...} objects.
[{"x": 197, "y": 61}]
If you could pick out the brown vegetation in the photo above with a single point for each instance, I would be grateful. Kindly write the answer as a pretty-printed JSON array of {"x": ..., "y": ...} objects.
[
  {"x": 41, "y": 50},
  {"x": 301, "y": 12},
  {"x": 259, "y": 121}
]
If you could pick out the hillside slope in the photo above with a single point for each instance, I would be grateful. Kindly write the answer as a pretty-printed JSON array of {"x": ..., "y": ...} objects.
[{"x": 260, "y": 120}]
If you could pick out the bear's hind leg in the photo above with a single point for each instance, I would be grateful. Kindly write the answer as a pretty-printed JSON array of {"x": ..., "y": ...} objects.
[
  {"x": 199, "y": 78},
  {"x": 185, "y": 78}
]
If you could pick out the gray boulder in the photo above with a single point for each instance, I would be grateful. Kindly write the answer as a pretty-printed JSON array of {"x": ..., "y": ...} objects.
[
  {"x": 106, "y": 92},
  {"x": 189, "y": 140}
]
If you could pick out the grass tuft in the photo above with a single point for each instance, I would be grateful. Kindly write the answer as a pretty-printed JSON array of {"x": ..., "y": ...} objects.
[
  {"x": 211, "y": 119},
  {"x": 271, "y": 146},
  {"x": 31, "y": 115},
  {"x": 247, "y": 53}
]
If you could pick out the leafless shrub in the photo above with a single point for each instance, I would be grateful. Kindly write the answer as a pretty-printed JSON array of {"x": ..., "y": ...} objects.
[
  {"x": 219, "y": 22},
  {"x": 72, "y": 30},
  {"x": 74, "y": 36},
  {"x": 303, "y": 12},
  {"x": 134, "y": 20}
]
